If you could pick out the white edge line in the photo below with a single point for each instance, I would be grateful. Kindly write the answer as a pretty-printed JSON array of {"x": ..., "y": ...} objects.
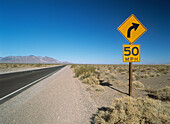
[{"x": 26, "y": 86}]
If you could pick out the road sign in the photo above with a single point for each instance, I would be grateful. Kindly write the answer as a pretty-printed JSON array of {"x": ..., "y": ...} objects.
[
  {"x": 131, "y": 53},
  {"x": 132, "y": 29}
]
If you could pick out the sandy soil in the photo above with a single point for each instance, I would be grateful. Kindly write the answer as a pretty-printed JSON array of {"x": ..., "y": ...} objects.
[
  {"x": 157, "y": 82},
  {"x": 59, "y": 99}
]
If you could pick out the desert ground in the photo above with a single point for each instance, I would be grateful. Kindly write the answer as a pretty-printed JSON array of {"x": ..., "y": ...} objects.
[
  {"x": 108, "y": 86},
  {"x": 96, "y": 94}
]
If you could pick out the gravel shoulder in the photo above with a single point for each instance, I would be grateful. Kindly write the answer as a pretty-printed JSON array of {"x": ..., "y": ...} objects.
[{"x": 58, "y": 99}]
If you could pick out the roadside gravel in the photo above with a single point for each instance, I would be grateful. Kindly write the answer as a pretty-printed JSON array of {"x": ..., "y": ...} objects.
[{"x": 58, "y": 99}]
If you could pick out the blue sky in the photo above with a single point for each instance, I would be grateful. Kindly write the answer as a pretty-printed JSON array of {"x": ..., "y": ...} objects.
[{"x": 83, "y": 31}]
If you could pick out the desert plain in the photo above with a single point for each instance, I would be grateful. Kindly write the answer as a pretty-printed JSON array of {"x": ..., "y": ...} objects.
[{"x": 100, "y": 93}]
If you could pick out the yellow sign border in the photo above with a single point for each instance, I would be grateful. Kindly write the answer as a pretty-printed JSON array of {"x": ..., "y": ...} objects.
[
  {"x": 139, "y": 35},
  {"x": 131, "y": 45}
]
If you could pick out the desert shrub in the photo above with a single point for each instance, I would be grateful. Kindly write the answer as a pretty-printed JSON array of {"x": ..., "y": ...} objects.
[
  {"x": 152, "y": 74},
  {"x": 15, "y": 65},
  {"x": 158, "y": 74},
  {"x": 73, "y": 66},
  {"x": 112, "y": 71},
  {"x": 119, "y": 70},
  {"x": 92, "y": 80},
  {"x": 165, "y": 72},
  {"x": 138, "y": 84},
  {"x": 107, "y": 72},
  {"x": 123, "y": 73},
  {"x": 148, "y": 89},
  {"x": 142, "y": 70},
  {"x": 163, "y": 93},
  {"x": 84, "y": 75},
  {"x": 38, "y": 65},
  {"x": 129, "y": 110},
  {"x": 145, "y": 76},
  {"x": 134, "y": 70},
  {"x": 79, "y": 70},
  {"x": 133, "y": 78},
  {"x": 148, "y": 68},
  {"x": 137, "y": 77},
  {"x": 161, "y": 69},
  {"x": 109, "y": 68}
]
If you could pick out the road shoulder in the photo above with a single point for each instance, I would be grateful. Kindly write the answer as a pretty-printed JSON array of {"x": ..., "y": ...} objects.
[{"x": 59, "y": 98}]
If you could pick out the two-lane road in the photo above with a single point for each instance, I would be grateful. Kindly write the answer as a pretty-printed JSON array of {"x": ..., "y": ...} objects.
[{"x": 13, "y": 83}]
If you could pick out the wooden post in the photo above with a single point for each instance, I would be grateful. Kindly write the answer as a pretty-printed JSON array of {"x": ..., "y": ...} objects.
[{"x": 130, "y": 78}]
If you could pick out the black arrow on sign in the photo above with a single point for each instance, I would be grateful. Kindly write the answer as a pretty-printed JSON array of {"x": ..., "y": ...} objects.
[{"x": 135, "y": 26}]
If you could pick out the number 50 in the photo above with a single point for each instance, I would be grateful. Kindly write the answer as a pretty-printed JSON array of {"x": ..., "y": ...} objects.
[{"x": 127, "y": 49}]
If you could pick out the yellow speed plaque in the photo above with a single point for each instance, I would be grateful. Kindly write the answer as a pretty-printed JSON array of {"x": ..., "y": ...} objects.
[{"x": 131, "y": 53}]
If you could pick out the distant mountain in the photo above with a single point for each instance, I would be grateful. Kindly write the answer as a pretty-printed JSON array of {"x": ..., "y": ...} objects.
[{"x": 29, "y": 59}]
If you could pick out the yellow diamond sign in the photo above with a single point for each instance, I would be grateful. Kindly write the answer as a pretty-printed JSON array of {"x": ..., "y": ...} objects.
[{"x": 132, "y": 29}]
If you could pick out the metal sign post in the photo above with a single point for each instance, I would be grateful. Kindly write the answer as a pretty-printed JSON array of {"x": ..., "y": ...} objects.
[
  {"x": 131, "y": 29},
  {"x": 130, "y": 78}
]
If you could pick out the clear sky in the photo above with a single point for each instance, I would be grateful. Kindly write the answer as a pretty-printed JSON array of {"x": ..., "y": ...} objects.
[{"x": 83, "y": 31}]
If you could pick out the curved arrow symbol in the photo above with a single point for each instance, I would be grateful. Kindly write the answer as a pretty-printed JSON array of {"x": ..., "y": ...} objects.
[{"x": 135, "y": 26}]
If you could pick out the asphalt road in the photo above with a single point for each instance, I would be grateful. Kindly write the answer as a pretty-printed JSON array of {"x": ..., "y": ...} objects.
[{"x": 13, "y": 81}]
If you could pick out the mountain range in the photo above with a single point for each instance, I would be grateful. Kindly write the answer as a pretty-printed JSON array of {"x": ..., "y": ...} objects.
[{"x": 30, "y": 59}]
